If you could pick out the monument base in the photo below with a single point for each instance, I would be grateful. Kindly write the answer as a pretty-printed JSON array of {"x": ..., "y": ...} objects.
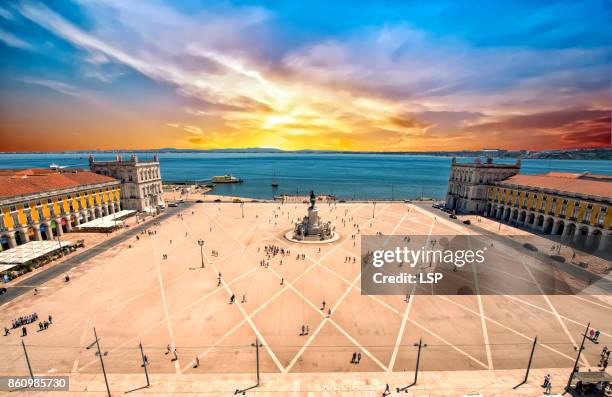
[{"x": 289, "y": 236}]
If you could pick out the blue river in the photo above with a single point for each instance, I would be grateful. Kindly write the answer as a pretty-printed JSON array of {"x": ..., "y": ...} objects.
[{"x": 348, "y": 176}]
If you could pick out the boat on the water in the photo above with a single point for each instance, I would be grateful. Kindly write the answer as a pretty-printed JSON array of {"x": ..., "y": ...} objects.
[
  {"x": 227, "y": 178},
  {"x": 55, "y": 166},
  {"x": 274, "y": 183}
]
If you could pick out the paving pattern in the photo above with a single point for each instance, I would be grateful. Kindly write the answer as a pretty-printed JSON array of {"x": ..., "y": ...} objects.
[{"x": 133, "y": 295}]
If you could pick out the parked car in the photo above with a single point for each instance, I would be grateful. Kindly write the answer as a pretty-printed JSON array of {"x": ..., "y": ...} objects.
[
  {"x": 467, "y": 222},
  {"x": 199, "y": 201},
  {"x": 217, "y": 200},
  {"x": 180, "y": 201},
  {"x": 2, "y": 291},
  {"x": 172, "y": 204},
  {"x": 452, "y": 216},
  {"x": 530, "y": 247}
]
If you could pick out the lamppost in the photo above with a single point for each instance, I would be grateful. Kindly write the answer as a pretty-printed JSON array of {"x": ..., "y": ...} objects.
[
  {"x": 59, "y": 241},
  {"x": 201, "y": 244}
]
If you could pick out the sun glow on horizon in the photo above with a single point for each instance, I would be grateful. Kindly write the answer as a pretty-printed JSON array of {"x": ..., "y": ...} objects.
[{"x": 268, "y": 75}]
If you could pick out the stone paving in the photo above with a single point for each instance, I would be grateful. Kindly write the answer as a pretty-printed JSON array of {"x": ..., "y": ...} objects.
[{"x": 134, "y": 295}]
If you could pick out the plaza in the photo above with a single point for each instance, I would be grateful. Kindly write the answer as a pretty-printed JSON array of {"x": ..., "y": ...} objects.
[{"x": 131, "y": 295}]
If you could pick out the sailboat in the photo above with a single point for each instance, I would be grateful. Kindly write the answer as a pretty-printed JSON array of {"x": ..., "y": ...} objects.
[{"x": 274, "y": 183}]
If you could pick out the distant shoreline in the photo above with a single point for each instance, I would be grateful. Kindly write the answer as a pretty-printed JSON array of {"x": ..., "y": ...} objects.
[{"x": 562, "y": 154}]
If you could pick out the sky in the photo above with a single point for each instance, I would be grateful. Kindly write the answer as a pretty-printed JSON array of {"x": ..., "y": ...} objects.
[{"x": 328, "y": 75}]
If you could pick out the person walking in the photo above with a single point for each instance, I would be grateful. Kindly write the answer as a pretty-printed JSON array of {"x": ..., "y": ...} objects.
[
  {"x": 6, "y": 331},
  {"x": 197, "y": 362},
  {"x": 354, "y": 358},
  {"x": 548, "y": 389},
  {"x": 546, "y": 380},
  {"x": 50, "y": 319}
]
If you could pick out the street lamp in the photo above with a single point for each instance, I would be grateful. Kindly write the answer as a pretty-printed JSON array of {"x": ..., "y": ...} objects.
[{"x": 201, "y": 244}]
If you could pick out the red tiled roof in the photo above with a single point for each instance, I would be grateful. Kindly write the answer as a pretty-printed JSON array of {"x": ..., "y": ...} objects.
[
  {"x": 586, "y": 184},
  {"x": 31, "y": 181},
  {"x": 26, "y": 171}
]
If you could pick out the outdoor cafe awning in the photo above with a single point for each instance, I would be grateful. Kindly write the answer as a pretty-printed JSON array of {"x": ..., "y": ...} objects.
[
  {"x": 29, "y": 251},
  {"x": 107, "y": 222}
]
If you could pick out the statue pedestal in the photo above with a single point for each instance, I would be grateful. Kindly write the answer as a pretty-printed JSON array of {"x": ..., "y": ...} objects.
[
  {"x": 311, "y": 229},
  {"x": 290, "y": 236}
]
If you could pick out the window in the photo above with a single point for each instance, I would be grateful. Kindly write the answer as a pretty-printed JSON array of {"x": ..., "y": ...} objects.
[
  {"x": 602, "y": 215},
  {"x": 533, "y": 201},
  {"x": 543, "y": 204},
  {"x": 575, "y": 211},
  {"x": 587, "y": 214},
  {"x": 563, "y": 208}
]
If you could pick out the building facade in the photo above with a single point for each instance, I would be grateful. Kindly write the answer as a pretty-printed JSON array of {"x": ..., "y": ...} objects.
[
  {"x": 576, "y": 207},
  {"x": 141, "y": 186},
  {"x": 39, "y": 204},
  {"x": 468, "y": 183}
]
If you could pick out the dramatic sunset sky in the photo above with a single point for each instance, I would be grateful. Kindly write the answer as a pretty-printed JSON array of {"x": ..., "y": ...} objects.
[{"x": 347, "y": 75}]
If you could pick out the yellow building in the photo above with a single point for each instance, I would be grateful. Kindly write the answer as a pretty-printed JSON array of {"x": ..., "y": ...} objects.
[
  {"x": 37, "y": 204},
  {"x": 577, "y": 207}
]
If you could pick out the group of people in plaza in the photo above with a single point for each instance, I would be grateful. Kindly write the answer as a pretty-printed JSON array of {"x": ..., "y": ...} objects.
[
  {"x": 272, "y": 250},
  {"x": 356, "y": 359},
  {"x": 26, "y": 320}
]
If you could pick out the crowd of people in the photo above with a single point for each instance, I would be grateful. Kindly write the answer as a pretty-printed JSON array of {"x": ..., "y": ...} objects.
[{"x": 24, "y": 320}]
